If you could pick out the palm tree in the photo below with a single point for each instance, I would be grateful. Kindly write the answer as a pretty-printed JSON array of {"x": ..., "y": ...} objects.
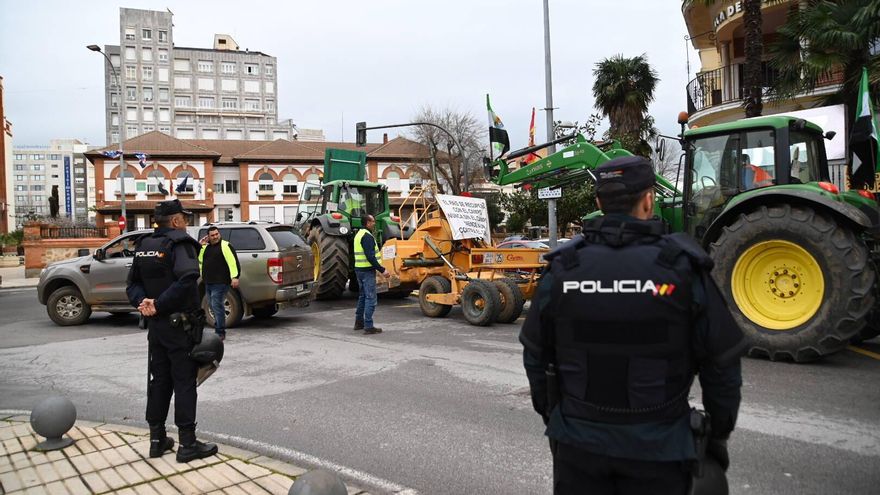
[
  {"x": 623, "y": 90},
  {"x": 753, "y": 83},
  {"x": 826, "y": 40}
]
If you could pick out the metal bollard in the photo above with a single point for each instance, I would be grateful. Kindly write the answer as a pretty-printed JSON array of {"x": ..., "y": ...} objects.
[
  {"x": 52, "y": 418},
  {"x": 318, "y": 482}
]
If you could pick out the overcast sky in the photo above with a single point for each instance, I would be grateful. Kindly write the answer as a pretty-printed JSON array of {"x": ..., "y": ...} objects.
[{"x": 344, "y": 61}]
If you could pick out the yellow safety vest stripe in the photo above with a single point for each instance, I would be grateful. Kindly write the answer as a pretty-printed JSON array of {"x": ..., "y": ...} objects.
[
  {"x": 360, "y": 257},
  {"x": 227, "y": 255}
]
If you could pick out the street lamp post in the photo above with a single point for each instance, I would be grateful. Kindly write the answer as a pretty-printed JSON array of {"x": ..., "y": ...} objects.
[
  {"x": 122, "y": 169},
  {"x": 551, "y": 134}
]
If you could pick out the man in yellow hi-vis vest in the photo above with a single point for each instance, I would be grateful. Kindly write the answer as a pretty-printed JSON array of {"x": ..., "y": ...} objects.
[
  {"x": 220, "y": 269},
  {"x": 366, "y": 264}
]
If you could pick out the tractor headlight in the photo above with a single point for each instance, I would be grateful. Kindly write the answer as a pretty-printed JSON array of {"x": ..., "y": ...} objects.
[{"x": 343, "y": 230}]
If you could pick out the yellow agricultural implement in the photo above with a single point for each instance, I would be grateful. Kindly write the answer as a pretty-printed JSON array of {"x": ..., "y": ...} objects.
[{"x": 490, "y": 284}]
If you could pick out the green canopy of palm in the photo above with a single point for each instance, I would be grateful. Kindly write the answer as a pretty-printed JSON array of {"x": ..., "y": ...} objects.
[
  {"x": 826, "y": 40},
  {"x": 623, "y": 90}
]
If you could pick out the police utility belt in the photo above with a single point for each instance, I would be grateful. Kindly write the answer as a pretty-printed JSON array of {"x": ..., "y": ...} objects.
[{"x": 191, "y": 323}]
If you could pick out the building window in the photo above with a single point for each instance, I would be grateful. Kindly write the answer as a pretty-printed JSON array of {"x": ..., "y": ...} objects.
[
  {"x": 252, "y": 86},
  {"x": 181, "y": 64},
  {"x": 114, "y": 137},
  {"x": 163, "y": 56},
  {"x": 131, "y": 131},
  {"x": 267, "y": 213},
  {"x": 148, "y": 94},
  {"x": 181, "y": 82},
  {"x": 149, "y": 116},
  {"x": 164, "y": 115},
  {"x": 269, "y": 70},
  {"x": 227, "y": 67},
  {"x": 270, "y": 87},
  {"x": 148, "y": 73},
  {"x": 129, "y": 34},
  {"x": 38, "y": 177},
  {"x": 290, "y": 184},
  {"x": 54, "y": 157},
  {"x": 19, "y": 166},
  {"x": 128, "y": 177},
  {"x": 114, "y": 100},
  {"x": 21, "y": 188},
  {"x": 38, "y": 187},
  {"x": 392, "y": 180},
  {"x": 163, "y": 94},
  {"x": 37, "y": 167},
  {"x": 270, "y": 105},
  {"x": 206, "y": 84},
  {"x": 130, "y": 93},
  {"x": 183, "y": 101},
  {"x": 231, "y": 186},
  {"x": 211, "y": 134},
  {"x": 130, "y": 72},
  {"x": 147, "y": 34},
  {"x": 130, "y": 53},
  {"x": 230, "y": 103},
  {"x": 266, "y": 184},
  {"x": 20, "y": 199},
  {"x": 186, "y": 174},
  {"x": 250, "y": 104},
  {"x": 163, "y": 36},
  {"x": 154, "y": 179},
  {"x": 163, "y": 74},
  {"x": 206, "y": 66},
  {"x": 114, "y": 119},
  {"x": 20, "y": 178},
  {"x": 19, "y": 156},
  {"x": 251, "y": 69},
  {"x": 186, "y": 134},
  {"x": 181, "y": 117},
  {"x": 131, "y": 114},
  {"x": 290, "y": 214},
  {"x": 234, "y": 134},
  {"x": 147, "y": 54},
  {"x": 206, "y": 102},
  {"x": 38, "y": 198},
  {"x": 229, "y": 85}
]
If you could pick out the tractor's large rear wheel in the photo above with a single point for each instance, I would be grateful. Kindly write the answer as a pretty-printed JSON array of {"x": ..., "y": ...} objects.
[
  {"x": 800, "y": 283},
  {"x": 331, "y": 263}
]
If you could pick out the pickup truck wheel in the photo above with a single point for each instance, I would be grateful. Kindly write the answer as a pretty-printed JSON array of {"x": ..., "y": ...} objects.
[
  {"x": 331, "y": 263},
  {"x": 264, "y": 312},
  {"x": 234, "y": 310},
  {"x": 66, "y": 307}
]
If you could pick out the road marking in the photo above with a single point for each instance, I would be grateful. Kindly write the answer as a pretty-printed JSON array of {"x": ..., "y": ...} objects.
[
  {"x": 864, "y": 352},
  {"x": 296, "y": 456}
]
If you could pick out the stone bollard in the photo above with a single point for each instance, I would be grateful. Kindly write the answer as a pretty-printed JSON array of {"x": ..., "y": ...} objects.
[
  {"x": 318, "y": 482},
  {"x": 52, "y": 418}
]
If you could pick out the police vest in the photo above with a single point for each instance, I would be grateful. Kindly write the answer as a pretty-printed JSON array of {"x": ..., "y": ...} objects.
[
  {"x": 360, "y": 257},
  {"x": 623, "y": 332},
  {"x": 154, "y": 258}
]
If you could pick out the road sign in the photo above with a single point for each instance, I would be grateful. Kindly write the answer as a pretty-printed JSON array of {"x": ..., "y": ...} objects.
[
  {"x": 122, "y": 224},
  {"x": 548, "y": 193}
]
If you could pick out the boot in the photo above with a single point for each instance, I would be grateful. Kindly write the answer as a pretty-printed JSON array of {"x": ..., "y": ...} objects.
[
  {"x": 159, "y": 441},
  {"x": 191, "y": 449},
  {"x": 359, "y": 325}
]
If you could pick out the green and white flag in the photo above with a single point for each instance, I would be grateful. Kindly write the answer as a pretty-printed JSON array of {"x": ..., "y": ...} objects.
[
  {"x": 863, "y": 142},
  {"x": 499, "y": 143}
]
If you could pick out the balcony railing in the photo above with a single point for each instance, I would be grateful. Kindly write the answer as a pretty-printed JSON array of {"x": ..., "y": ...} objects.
[{"x": 725, "y": 85}]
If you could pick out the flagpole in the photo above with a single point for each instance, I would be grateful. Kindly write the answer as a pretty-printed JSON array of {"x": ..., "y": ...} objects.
[{"x": 548, "y": 86}]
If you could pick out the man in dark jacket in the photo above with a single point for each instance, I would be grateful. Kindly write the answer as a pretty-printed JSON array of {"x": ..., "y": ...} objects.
[
  {"x": 220, "y": 269},
  {"x": 366, "y": 264},
  {"x": 162, "y": 284},
  {"x": 623, "y": 319}
]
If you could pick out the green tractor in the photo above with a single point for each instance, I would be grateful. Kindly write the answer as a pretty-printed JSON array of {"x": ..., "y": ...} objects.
[
  {"x": 331, "y": 213},
  {"x": 794, "y": 256}
]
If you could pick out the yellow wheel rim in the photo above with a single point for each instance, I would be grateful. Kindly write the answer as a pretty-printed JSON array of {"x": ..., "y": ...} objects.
[
  {"x": 316, "y": 256},
  {"x": 777, "y": 284}
]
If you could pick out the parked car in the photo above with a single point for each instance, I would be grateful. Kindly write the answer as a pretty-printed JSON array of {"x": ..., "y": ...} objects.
[
  {"x": 524, "y": 244},
  {"x": 277, "y": 271},
  {"x": 560, "y": 240}
]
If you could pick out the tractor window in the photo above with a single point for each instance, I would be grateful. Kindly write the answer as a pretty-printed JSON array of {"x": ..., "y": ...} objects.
[
  {"x": 804, "y": 153},
  {"x": 712, "y": 179},
  {"x": 756, "y": 160},
  {"x": 359, "y": 202}
]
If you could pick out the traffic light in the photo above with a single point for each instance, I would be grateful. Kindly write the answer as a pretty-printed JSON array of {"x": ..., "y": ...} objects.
[
  {"x": 361, "y": 134},
  {"x": 228, "y": 216}
]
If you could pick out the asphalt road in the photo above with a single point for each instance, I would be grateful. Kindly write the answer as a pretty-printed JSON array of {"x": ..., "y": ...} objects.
[{"x": 430, "y": 404}]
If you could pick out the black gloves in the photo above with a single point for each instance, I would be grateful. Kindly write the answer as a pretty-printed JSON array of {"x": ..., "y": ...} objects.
[{"x": 717, "y": 449}]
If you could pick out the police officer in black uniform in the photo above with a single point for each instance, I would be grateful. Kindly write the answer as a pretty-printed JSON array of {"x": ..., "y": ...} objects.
[
  {"x": 624, "y": 317},
  {"x": 162, "y": 284}
]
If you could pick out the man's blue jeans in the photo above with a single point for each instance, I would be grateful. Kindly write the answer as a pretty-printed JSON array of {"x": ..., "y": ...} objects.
[
  {"x": 216, "y": 296},
  {"x": 366, "y": 297}
]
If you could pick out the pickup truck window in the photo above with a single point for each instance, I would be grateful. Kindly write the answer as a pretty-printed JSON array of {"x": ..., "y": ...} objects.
[
  {"x": 286, "y": 237},
  {"x": 123, "y": 248},
  {"x": 246, "y": 239}
]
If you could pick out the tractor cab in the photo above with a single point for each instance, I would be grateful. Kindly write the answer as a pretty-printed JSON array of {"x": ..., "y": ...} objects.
[{"x": 741, "y": 158}]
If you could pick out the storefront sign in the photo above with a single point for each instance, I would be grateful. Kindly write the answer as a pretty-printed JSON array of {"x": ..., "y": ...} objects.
[{"x": 734, "y": 8}]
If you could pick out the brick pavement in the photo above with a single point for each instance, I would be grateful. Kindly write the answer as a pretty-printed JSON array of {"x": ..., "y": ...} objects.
[{"x": 113, "y": 459}]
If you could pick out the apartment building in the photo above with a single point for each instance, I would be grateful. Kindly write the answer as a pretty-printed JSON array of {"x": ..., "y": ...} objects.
[
  {"x": 37, "y": 170},
  {"x": 221, "y": 92}
]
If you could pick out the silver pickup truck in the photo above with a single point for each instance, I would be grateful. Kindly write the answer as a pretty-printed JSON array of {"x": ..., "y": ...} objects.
[{"x": 277, "y": 271}]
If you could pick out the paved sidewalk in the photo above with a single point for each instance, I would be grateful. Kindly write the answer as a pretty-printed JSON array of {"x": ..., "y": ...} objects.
[
  {"x": 113, "y": 459},
  {"x": 13, "y": 278}
]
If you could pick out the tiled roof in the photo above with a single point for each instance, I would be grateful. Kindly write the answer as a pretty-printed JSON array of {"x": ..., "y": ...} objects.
[
  {"x": 401, "y": 147},
  {"x": 228, "y": 148},
  {"x": 156, "y": 143},
  {"x": 282, "y": 149}
]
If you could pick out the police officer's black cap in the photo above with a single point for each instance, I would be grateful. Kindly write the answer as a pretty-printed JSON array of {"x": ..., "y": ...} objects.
[
  {"x": 628, "y": 174},
  {"x": 170, "y": 207}
]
